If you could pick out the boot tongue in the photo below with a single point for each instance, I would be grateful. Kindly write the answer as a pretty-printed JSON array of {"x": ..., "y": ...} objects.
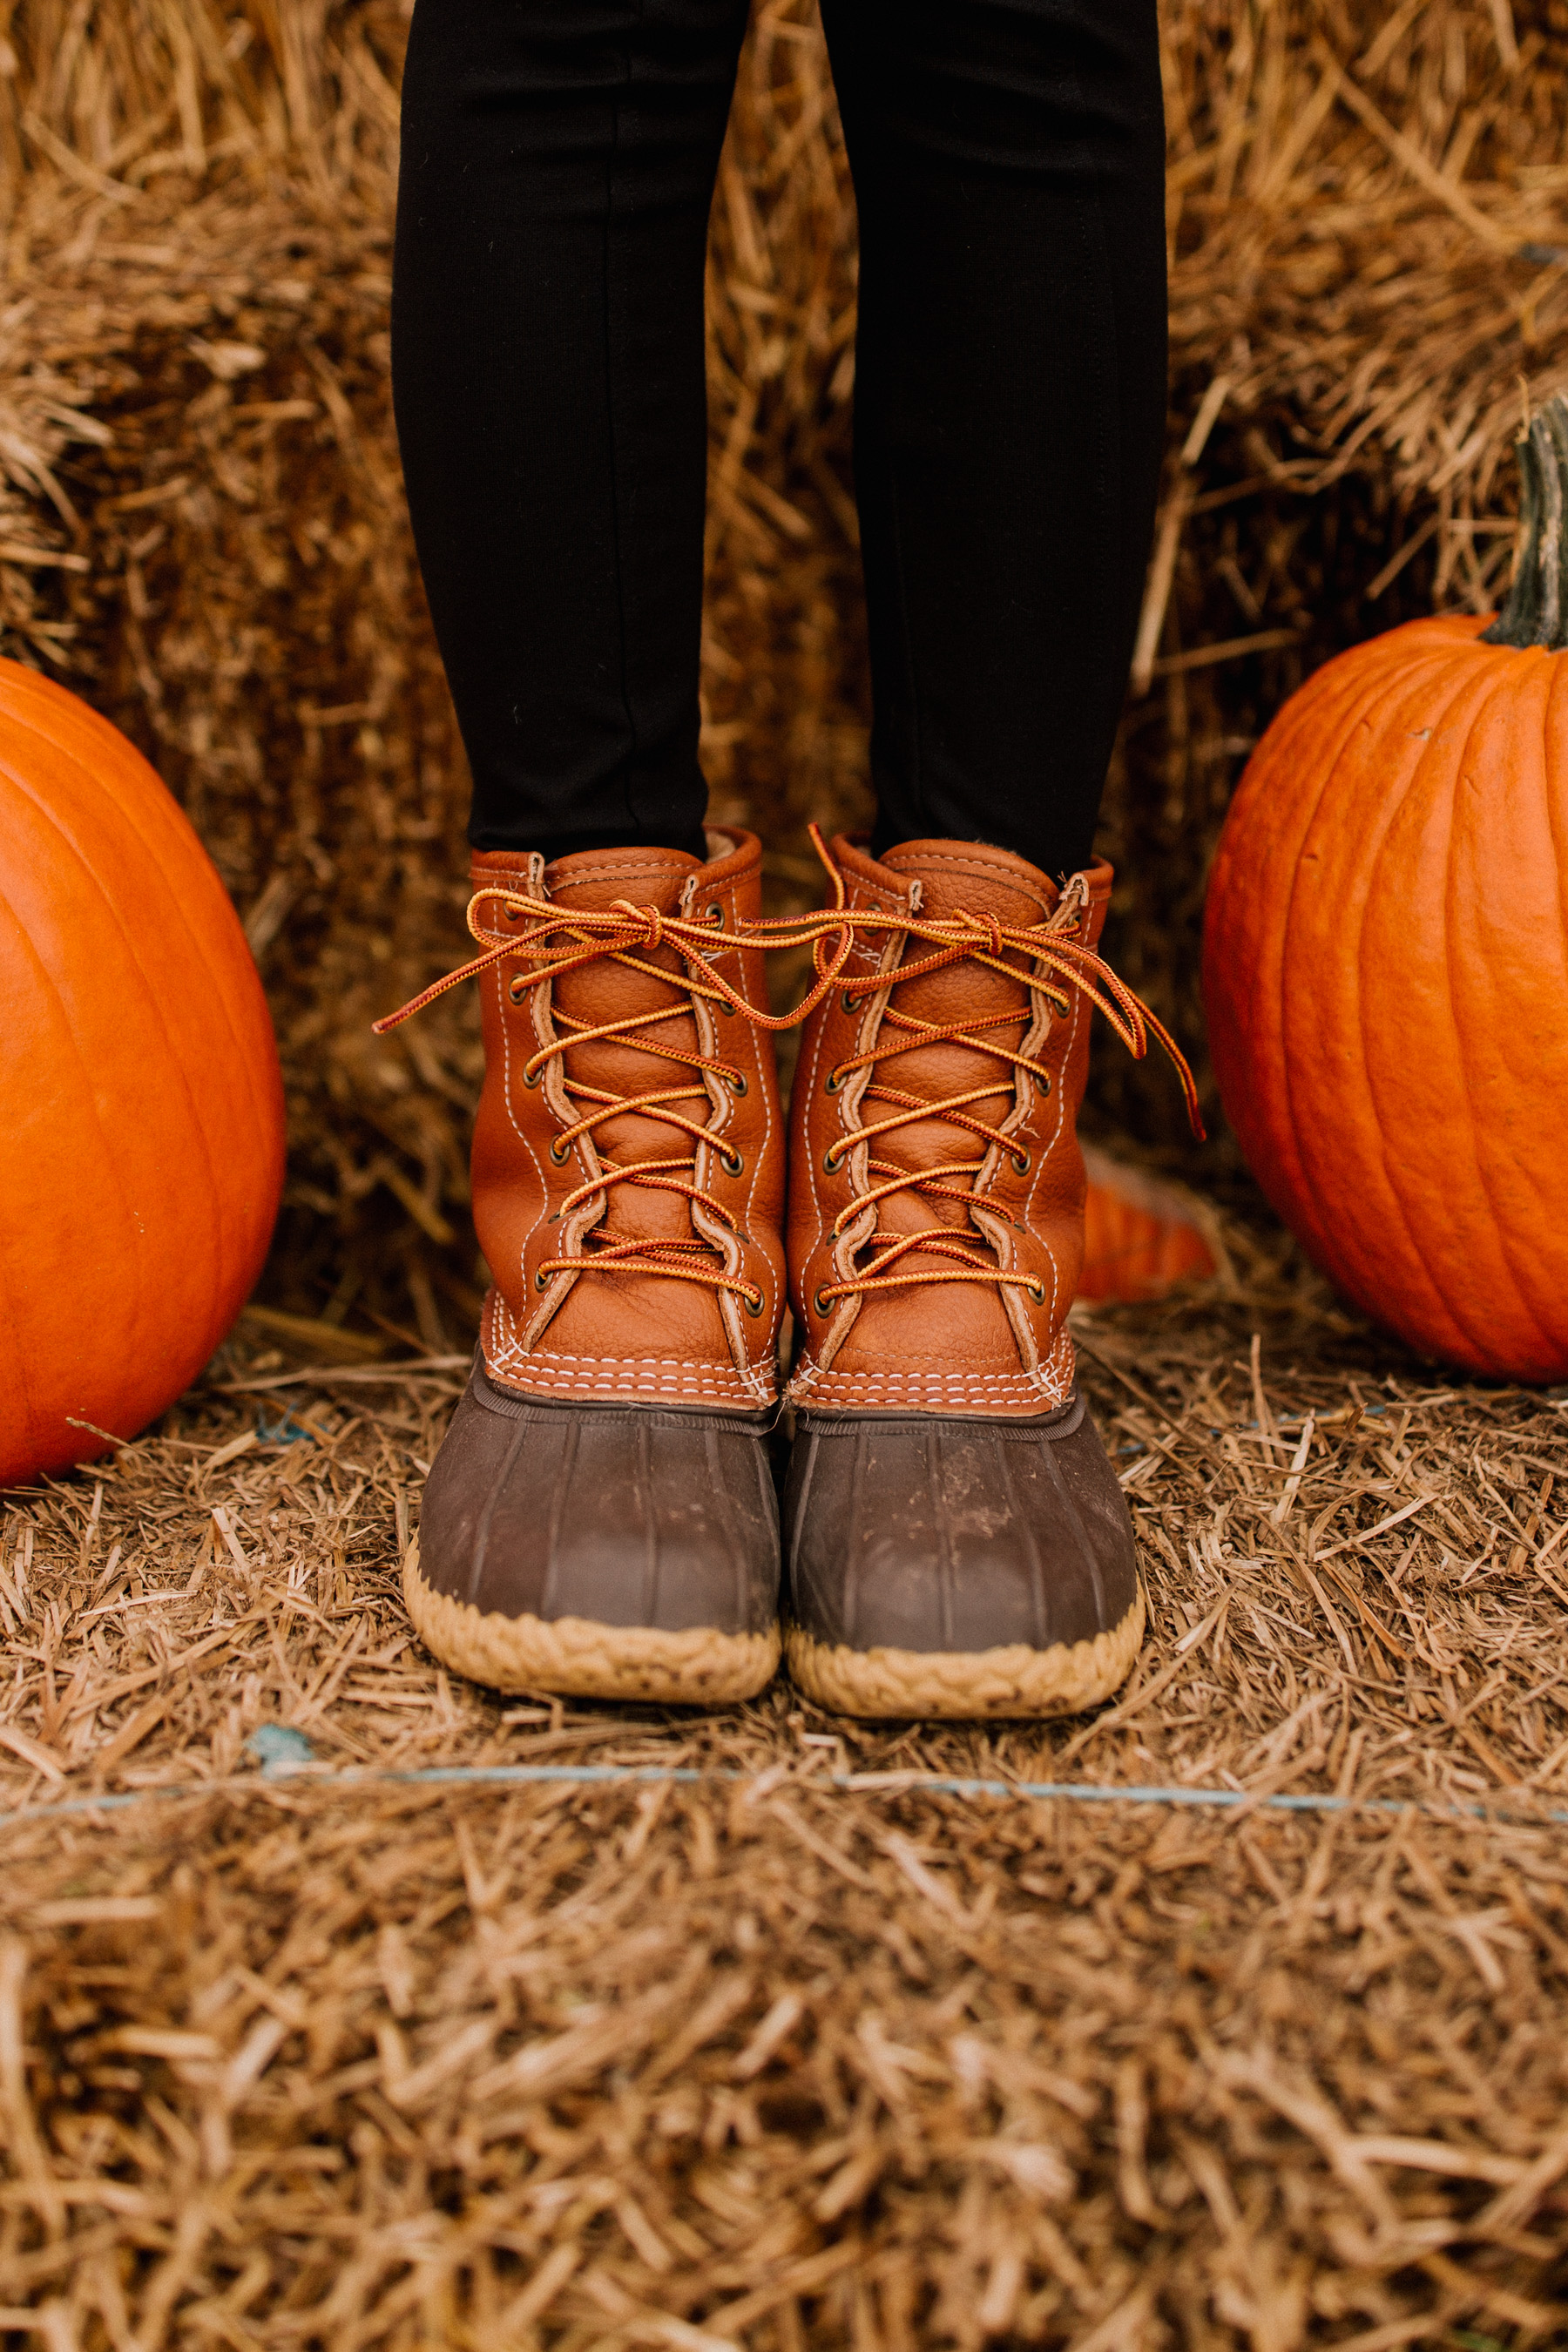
[
  {"x": 956, "y": 878},
  {"x": 606, "y": 990},
  {"x": 647, "y": 877},
  {"x": 972, "y": 876}
]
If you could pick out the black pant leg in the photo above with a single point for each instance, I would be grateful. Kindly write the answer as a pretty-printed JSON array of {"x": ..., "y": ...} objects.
[
  {"x": 557, "y": 170},
  {"x": 1009, "y": 400}
]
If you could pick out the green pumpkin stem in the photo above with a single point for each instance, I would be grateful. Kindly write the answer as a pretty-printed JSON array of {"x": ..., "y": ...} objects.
[{"x": 1536, "y": 612}]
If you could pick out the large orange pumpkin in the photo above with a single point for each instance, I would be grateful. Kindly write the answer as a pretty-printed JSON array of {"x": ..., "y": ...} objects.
[
  {"x": 1141, "y": 1236},
  {"x": 1385, "y": 963},
  {"x": 141, "y": 1106}
]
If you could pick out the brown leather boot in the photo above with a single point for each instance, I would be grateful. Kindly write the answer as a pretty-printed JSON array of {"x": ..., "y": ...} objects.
[
  {"x": 601, "y": 1519},
  {"x": 957, "y": 1543}
]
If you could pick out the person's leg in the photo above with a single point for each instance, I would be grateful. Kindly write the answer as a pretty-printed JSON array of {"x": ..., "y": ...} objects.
[
  {"x": 558, "y": 167},
  {"x": 1009, "y": 400},
  {"x": 957, "y": 1542},
  {"x": 600, "y": 1518}
]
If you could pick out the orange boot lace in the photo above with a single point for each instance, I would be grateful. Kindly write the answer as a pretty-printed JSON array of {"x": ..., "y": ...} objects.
[
  {"x": 1044, "y": 957},
  {"x": 559, "y": 940}
]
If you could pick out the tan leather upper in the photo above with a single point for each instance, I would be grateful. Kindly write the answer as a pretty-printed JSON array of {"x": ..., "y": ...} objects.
[
  {"x": 598, "y": 1335},
  {"x": 953, "y": 1346}
]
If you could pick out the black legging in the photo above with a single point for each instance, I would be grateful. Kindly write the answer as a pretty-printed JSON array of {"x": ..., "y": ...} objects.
[{"x": 558, "y": 165}]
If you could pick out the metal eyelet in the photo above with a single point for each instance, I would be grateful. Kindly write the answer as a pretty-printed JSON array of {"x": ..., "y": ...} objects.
[
  {"x": 832, "y": 1082},
  {"x": 1021, "y": 1162},
  {"x": 517, "y": 988},
  {"x": 849, "y": 1000},
  {"x": 559, "y": 1158},
  {"x": 1036, "y": 1288},
  {"x": 830, "y": 1160},
  {"x": 514, "y": 914},
  {"x": 736, "y": 1082},
  {"x": 714, "y": 915},
  {"x": 531, "y": 1082},
  {"x": 1043, "y": 1084},
  {"x": 753, "y": 1311},
  {"x": 734, "y": 1162},
  {"x": 542, "y": 1280},
  {"x": 823, "y": 1304}
]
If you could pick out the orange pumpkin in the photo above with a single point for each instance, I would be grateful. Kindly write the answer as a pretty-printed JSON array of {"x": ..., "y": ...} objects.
[
  {"x": 140, "y": 1105},
  {"x": 1141, "y": 1236},
  {"x": 1385, "y": 963}
]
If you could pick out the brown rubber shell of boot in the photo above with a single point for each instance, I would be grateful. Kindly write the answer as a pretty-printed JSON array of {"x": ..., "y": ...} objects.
[
  {"x": 941, "y": 1565},
  {"x": 600, "y": 1551}
]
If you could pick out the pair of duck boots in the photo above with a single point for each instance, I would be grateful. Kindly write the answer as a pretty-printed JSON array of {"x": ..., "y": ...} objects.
[{"x": 601, "y": 1519}]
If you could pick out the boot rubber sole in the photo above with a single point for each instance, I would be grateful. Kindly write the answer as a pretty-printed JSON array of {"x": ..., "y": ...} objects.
[
  {"x": 965, "y": 1684},
  {"x": 574, "y": 1657}
]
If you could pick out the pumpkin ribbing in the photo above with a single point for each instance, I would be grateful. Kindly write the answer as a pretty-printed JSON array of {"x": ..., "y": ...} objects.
[
  {"x": 1386, "y": 962},
  {"x": 142, "y": 1141}
]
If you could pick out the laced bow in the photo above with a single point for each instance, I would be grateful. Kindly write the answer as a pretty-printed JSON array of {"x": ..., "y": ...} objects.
[{"x": 556, "y": 941}]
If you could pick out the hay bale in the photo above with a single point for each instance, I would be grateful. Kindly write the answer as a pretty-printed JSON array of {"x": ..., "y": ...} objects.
[
  {"x": 1369, "y": 255},
  {"x": 200, "y": 525}
]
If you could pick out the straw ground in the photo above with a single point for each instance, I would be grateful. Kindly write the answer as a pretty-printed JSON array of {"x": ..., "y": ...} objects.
[{"x": 798, "y": 2050}]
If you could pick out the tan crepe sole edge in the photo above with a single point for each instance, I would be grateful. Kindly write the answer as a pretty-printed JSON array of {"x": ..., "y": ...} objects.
[
  {"x": 1016, "y": 1680},
  {"x": 576, "y": 1658}
]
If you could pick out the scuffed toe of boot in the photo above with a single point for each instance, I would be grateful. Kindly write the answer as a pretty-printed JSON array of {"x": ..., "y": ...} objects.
[
  {"x": 599, "y": 1551},
  {"x": 957, "y": 1567}
]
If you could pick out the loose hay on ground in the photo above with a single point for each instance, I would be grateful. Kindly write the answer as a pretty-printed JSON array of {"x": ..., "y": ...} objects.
[
  {"x": 616, "y": 2067},
  {"x": 765, "y": 2060},
  {"x": 1357, "y": 1575}
]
